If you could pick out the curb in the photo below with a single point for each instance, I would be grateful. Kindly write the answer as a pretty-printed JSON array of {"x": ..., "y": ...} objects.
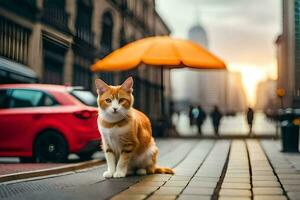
[{"x": 50, "y": 171}]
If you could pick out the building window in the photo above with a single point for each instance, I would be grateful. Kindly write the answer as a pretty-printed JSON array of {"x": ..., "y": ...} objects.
[
  {"x": 83, "y": 21},
  {"x": 26, "y": 8},
  {"x": 54, "y": 14},
  {"x": 14, "y": 41},
  {"x": 82, "y": 76},
  {"x": 54, "y": 57},
  {"x": 107, "y": 32}
]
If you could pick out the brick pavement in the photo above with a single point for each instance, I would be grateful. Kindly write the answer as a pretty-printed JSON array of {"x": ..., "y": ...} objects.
[
  {"x": 205, "y": 173},
  {"x": 205, "y": 169},
  {"x": 286, "y": 166}
]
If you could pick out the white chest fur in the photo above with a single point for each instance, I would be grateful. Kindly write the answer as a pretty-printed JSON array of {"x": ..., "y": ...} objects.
[{"x": 112, "y": 136}]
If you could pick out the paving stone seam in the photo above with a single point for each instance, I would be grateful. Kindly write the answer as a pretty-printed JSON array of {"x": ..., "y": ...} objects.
[
  {"x": 205, "y": 157},
  {"x": 235, "y": 150},
  {"x": 36, "y": 186},
  {"x": 274, "y": 171},
  {"x": 250, "y": 169},
  {"x": 188, "y": 152},
  {"x": 183, "y": 158},
  {"x": 215, "y": 196},
  {"x": 148, "y": 196}
]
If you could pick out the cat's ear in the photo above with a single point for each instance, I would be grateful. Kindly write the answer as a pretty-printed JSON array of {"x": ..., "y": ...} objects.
[
  {"x": 101, "y": 86},
  {"x": 127, "y": 85}
]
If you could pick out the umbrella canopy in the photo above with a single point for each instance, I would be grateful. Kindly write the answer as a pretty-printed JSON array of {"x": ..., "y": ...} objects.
[{"x": 162, "y": 51}]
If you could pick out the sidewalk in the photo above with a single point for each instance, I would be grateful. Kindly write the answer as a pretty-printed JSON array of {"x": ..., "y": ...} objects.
[
  {"x": 226, "y": 170},
  {"x": 205, "y": 169}
]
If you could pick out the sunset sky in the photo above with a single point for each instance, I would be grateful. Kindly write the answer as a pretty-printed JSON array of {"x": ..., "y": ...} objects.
[{"x": 241, "y": 32}]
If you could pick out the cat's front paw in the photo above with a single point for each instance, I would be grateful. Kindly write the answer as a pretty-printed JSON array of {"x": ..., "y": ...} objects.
[
  {"x": 119, "y": 174},
  {"x": 108, "y": 174}
]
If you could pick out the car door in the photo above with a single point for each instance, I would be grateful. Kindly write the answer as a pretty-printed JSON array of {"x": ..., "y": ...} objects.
[
  {"x": 4, "y": 102},
  {"x": 17, "y": 118}
]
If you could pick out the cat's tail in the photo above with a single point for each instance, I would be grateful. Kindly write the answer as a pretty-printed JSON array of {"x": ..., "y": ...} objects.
[{"x": 163, "y": 170}]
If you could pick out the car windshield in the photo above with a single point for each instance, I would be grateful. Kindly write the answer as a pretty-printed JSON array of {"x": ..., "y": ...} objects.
[{"x": 85, "y": 97}]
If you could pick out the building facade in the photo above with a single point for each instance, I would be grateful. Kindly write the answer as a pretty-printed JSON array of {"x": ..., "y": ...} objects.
[
  {"x": 288, "y": 54},
  {"x": 266, "y": 95},
  {"x": 60, "y": 39}
]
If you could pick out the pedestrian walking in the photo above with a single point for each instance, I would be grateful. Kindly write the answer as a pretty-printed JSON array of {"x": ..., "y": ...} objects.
[
  {"x": 216, "y": 116},
  {"x": 191, "y": 115},
  {"x": 250, "y": 117},
  {"x": 200, "y": 119}
]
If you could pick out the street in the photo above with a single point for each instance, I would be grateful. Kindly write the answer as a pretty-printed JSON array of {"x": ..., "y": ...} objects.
[{"x": 205, "y": 169}]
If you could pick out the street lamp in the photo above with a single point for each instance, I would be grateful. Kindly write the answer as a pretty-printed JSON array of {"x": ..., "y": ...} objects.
[{"x": 280, "y": 93}]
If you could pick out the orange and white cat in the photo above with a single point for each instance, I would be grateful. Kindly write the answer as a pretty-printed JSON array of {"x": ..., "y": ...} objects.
[{"x": 126, "y": 133}]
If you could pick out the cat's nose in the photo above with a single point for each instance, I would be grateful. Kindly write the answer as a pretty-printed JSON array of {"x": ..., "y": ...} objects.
[{"x": 115, "y": 109}]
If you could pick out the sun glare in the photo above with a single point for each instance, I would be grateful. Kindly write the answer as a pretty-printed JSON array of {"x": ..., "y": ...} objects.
[{"x": 251, "y": 76}]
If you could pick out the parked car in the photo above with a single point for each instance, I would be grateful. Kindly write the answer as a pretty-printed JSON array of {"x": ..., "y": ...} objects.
[{"x": 45, "y": 123}]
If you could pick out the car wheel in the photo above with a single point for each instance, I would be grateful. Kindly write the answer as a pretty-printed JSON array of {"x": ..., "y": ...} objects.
[
  {"x": 85, "y": 156},
  {"x": 50, "y": 146}
]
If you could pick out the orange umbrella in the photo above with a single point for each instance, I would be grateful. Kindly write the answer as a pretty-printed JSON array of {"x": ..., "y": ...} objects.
[{"x": 162, "y": 51}]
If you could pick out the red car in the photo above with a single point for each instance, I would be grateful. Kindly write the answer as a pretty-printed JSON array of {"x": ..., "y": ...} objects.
[{"x": 44, "y": 123}]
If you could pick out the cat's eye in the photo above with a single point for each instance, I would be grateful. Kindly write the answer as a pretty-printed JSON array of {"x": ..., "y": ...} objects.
[
  {"x": 108, "y": 100},
  {"x": 121, "y": 100}
]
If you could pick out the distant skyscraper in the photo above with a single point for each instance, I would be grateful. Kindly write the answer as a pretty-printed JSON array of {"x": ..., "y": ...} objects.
[{"x": 198, "y": 34}]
